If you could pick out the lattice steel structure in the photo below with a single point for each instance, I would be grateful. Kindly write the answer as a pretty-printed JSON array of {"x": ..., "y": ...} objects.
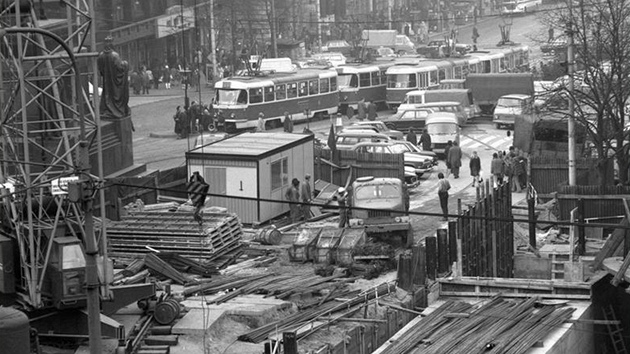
[{"x": 49, "y": 125}]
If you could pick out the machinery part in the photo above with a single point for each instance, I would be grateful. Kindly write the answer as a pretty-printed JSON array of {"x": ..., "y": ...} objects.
[
  {"x": 14, "y": 331},
  {"x": 167, "y": 311}
]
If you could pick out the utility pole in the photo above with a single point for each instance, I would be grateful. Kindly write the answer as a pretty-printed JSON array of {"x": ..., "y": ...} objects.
[
  {"x": 571, "y": 120},
  {"x": 274, "y": 44},
  {"x": 389, "y": 14},
  {"x": 186, "y": 71},
  {"x": 213, "y": 43}
]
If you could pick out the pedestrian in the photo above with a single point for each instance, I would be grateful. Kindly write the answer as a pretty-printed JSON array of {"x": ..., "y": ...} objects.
[
  {"x": 425, "y": 141},
  {"x": 443, "y": 188},
  {"x": 306, "y": 194},
  {"x": 520, "y": 170},
  {"x": 206, "y": 119},
  {"x": 496, "y": 168},
  {"x": 349, "y": 112},
  {"x": 411, "y": 137},
  {"x": 166, "y": 77},
  {"x": 454, "y": 157},
  {"x": 178, "y": 124},
  {"x": 288, "y": 123},
  {"x": 342, "y": 200},
  {"x": 475, "y": 168},
  {"x": 261, "y": 122},
  {"x": 136, "y": 82},
  {"x": 157, "y": 77},
  {"x": 508, "y": 169},
  {"x": 219, "y": 118},
  {"x": 551, "y": 34},
  {"x": 293, "y": 196},
  {"x": 361, "y": 109},
  {"x": 372, "y": 111},
  {"x": 449, "y": 145},
  {"x": 146, "y": 81},
  {"x": 149, "y": 80}
]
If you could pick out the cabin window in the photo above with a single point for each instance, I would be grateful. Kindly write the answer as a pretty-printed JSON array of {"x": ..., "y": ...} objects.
[
  {"x": 324, "y": 85},
  {"x": 458, "y": 72},
  {"x": 364, "y": 80},
  {"x": 313, "y": 89},
  {"x": 218, "y": 177},
  {"x": 383, "y": 77},
  {"x": 279, "y": 173},
  {"x": 302, "y": 88},
  {"x": 269, "y": 94},
  {"x": 333, "y": 84},
  {"x": 292, "y": 90},
  {"x": 281, "y": 92},
  {"x": 255, "y": 95}
]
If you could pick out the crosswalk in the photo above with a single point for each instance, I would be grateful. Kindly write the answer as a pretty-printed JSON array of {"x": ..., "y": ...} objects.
[{"x": 479, "y": 142}]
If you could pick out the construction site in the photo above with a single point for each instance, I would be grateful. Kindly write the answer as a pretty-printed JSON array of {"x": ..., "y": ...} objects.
[{"x": 97, "y": 255}]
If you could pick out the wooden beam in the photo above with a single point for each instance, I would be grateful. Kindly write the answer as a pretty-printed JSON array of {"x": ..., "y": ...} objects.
[
  {"x": 596, "y": 197},
  {"x": 619, "y": 276}
]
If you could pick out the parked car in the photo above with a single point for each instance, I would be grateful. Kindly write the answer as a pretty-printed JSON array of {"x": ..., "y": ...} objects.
[
  {"x": 420, "y": 163},
  {"x": 347, "y": 139},
  {"x": 432, "y": 49},
  {"x": 415, "y": 148},
  {"x": 410, "y": 119},
  {"x": 381, "y": 128}
]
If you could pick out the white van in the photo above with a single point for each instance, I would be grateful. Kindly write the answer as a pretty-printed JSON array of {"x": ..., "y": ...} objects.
[
  {"x": 509, "y": 108},
  {"x": 463, "y": 96},
  {"x": 404, "y": 45},
  {"x": 442, "y": 127}
]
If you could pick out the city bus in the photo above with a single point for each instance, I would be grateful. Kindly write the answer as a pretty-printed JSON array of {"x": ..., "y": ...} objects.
[
  {"x": 362, "y": 81},
  {"x": 302, "y": 93}
]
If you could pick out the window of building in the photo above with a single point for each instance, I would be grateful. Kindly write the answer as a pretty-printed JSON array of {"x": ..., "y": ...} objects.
[{"x": 218, "y": 177}]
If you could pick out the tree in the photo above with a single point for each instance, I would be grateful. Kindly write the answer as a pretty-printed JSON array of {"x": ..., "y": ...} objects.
[{"x": 601, "y": 32}]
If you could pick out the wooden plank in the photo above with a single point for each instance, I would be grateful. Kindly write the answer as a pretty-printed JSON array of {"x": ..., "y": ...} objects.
[
  {"x": 622, "y": 272},
  {"x": 516, "y": 295},
  {"x": 611, "y": 244},
  {"x": 431, "y": 252}
]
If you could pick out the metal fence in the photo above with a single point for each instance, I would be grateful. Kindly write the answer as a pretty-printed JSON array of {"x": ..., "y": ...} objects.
[{"x": 346, "y": 166}]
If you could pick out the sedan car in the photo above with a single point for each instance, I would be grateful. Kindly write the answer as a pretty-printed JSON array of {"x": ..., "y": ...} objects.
[
  {"x": 381, "y": 128},
  {"x": 410, "y": 119}
]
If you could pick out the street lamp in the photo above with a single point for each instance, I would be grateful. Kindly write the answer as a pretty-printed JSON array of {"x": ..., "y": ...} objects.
[{"x": 185, "y": 76}]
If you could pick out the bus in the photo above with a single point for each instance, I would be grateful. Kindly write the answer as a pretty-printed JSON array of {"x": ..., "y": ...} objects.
[
  {"x": 302, "y": 93},
  {"x": 516, "y": 7},
  {"x": 362, "y": 81}
]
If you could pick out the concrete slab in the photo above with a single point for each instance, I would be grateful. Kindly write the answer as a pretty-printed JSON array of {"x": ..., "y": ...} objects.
[{"x": 197, "y": 321}]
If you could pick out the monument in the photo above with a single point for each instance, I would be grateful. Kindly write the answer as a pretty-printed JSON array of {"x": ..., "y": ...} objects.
[{"x": 115, "y": 78}]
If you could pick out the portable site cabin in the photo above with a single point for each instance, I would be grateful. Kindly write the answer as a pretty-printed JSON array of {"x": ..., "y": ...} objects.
[{"x": 253, "y": 166}]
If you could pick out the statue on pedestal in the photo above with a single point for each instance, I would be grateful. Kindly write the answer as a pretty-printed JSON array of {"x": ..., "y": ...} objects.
[{"x": 114, "y": 74}]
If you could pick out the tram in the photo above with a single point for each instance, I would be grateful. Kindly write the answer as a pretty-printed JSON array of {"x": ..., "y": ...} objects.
[
  {"x": 302, "y": 93},
  {"x": 362, "y": 81}
]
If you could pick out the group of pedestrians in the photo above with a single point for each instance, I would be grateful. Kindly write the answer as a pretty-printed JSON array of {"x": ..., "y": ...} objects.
[
  {"x": 510, "y": 167},
  {"x": 196, "y": 118},
  {"x": 365, "y": 110},
  {"x": 300, "y": 197},
  {"x": 504, "y": 167}
]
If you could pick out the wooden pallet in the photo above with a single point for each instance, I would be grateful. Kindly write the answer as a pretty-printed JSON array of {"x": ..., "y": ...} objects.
[{"x": 140, "y": 233}]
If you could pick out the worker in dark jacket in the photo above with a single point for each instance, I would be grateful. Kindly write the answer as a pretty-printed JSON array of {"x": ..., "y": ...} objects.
[
  {"x": 475, "y": 168},
  {"x": 293, "y": 196},
  {"x": 425, "y": 140},
  {"x": 411, "y": 137}
]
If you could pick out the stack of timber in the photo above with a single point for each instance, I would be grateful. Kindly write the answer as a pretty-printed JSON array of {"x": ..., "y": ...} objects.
[
  {"x": 143, "y": 232},
  {"x": 496, "y": 326}
]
